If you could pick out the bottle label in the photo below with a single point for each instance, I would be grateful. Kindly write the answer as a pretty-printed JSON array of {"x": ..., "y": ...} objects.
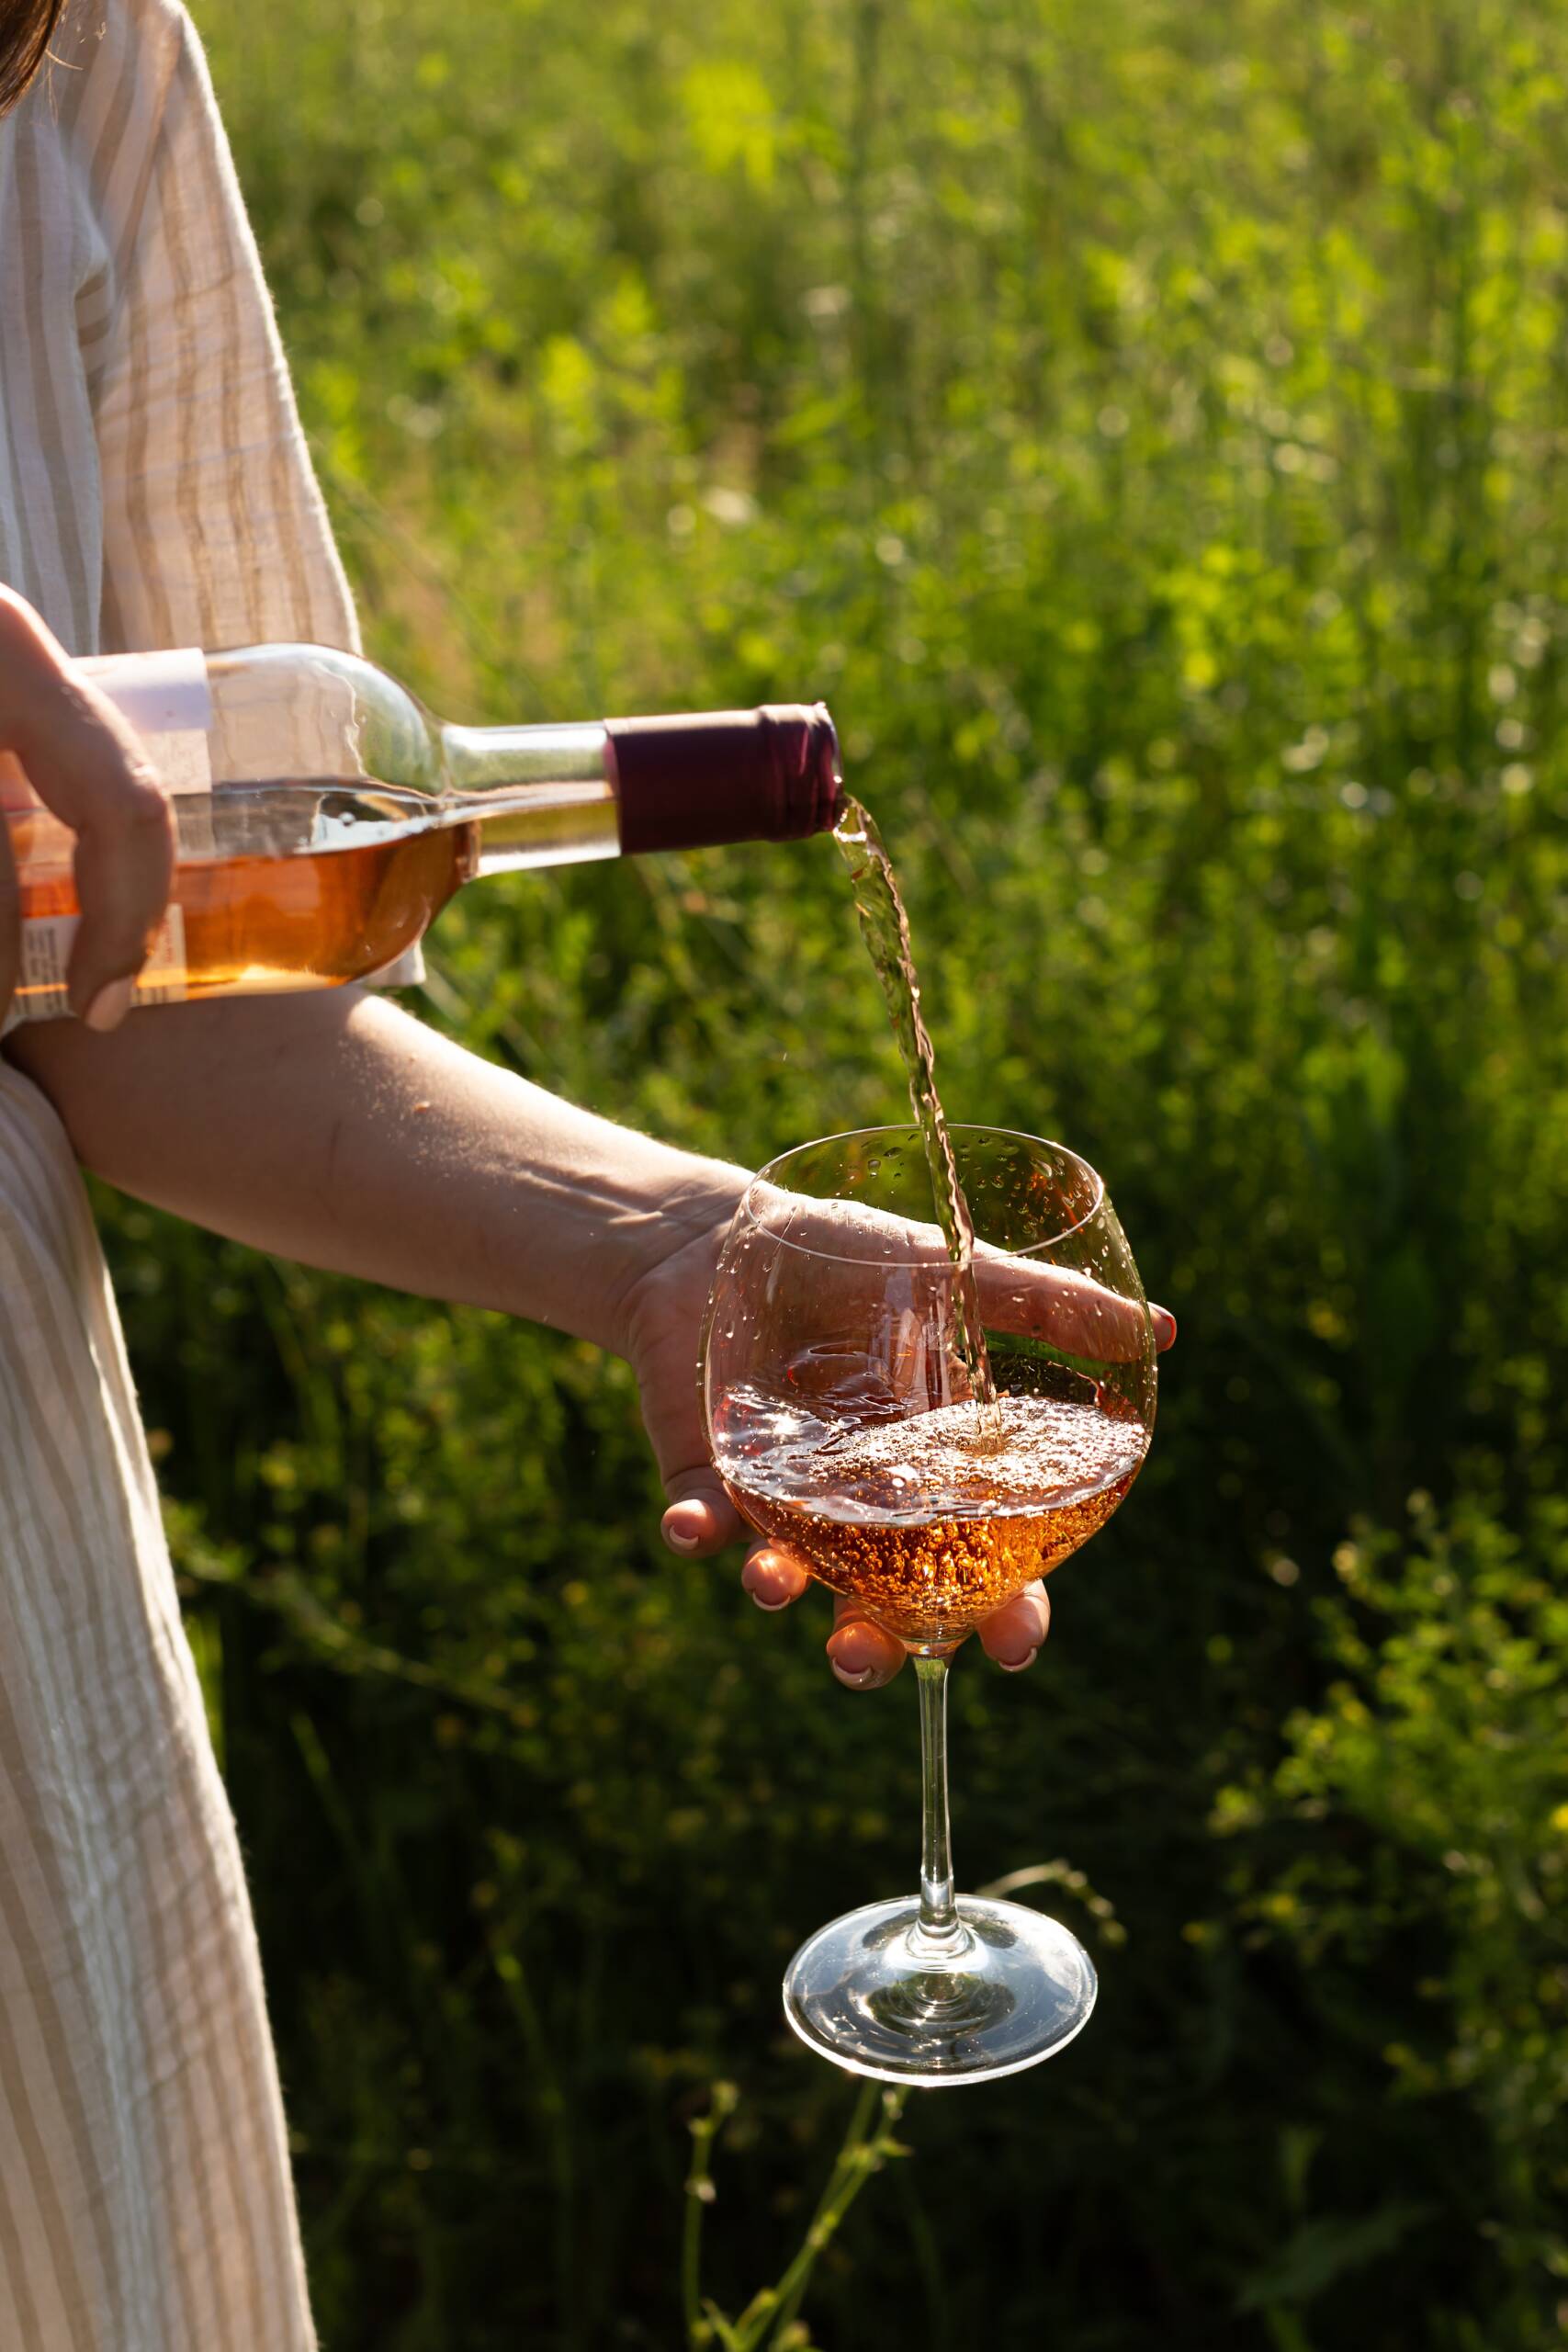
[
  {"x": 45, "y": 956},
  {"x": 168, "y": 699}
]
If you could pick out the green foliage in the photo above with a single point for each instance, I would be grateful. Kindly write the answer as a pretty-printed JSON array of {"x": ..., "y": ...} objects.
[
  {"x": 770, "y": 2318},
  {"x": 1144, "y": 424},
  {"x": 1420, "y": 1816}
]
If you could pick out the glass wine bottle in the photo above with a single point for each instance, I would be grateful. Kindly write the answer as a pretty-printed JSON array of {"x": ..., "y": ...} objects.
[{"x": 324, "y": 816}]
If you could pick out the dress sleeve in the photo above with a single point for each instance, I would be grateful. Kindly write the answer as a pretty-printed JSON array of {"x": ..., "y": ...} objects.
[{"x": 215, "y": 531}]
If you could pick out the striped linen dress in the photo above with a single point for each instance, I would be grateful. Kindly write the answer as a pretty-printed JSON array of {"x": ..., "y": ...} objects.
[{"x": 155, "y": 490}]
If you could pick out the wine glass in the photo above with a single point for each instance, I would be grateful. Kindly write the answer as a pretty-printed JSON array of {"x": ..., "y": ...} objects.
[{"x": 845, "y": 1425}]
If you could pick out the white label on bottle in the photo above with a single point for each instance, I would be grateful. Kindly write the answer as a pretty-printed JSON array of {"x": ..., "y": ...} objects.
[
  {"x": 168, "y": 701},
  {"x": 45, "y": 943},
  {"x": 166, "y": 698},
  {"x": 44, "y": 949},
  {"x": 184, "y": 762}
]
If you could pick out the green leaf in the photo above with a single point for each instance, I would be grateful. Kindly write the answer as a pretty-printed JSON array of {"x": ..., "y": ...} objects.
[{"x": 1322, "y": 2251}]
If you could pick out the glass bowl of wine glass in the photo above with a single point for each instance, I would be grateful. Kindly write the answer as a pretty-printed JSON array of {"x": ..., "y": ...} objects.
[{"x": 929, "y": 1439}]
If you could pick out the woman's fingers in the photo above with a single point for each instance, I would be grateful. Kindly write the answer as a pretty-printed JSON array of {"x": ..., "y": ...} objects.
[
  {"x": 701, "y": 1521},
  {"x": 88, "y": 766},
  {"x": 124, "y": 863},
  {"x": 1070, "y": 1310},
  {"x": 1013, "y": 1635},
  {"x": 700, "y": 1517},
  {"x": 772, "y": 1577},
  {"x": 861, "y": 1655},
  {"x": 1027, "y": 1295}
]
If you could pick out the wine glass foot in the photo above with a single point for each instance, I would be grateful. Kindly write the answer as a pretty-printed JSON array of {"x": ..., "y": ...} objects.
[{"x": 878, "y": 1995}]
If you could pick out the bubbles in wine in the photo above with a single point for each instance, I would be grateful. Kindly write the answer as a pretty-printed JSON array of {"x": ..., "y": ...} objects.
[{"x": 924, "y": 1524}]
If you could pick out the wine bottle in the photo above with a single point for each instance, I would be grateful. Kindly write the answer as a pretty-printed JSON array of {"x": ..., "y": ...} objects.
[{"x": 324, "y": 816}]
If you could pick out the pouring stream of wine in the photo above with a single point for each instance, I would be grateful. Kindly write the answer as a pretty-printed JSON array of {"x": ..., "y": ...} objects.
[{"x": 885, "y": 926}]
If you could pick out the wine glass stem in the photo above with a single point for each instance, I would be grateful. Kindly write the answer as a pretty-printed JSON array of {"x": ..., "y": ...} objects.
[{"x": 938, "y": 1913}]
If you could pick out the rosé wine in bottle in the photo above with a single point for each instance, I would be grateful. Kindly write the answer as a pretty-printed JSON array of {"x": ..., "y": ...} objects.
[{"x": 324, "y": 816}]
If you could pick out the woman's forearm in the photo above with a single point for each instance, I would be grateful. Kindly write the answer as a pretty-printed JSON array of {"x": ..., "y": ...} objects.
[{"x": 336, "y": 1129}]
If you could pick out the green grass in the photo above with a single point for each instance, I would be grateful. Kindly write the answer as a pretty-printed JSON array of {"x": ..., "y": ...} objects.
[{"x": 1145, "y": 426}]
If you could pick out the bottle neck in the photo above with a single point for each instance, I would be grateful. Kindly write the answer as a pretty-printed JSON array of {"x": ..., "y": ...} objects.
[
  {"x": 542, "y": 795},
  {"x": 691, "y": 780}
]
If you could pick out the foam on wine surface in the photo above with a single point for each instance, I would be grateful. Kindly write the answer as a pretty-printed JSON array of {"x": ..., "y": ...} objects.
[{"x": 926, "y": 1526}]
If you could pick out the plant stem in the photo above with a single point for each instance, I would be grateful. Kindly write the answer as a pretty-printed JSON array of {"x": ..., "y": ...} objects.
[
  {"x": 857, "y": 2159},
  {"x": 554, "y": 2113},
  {"x": 706, "y": 2128}
]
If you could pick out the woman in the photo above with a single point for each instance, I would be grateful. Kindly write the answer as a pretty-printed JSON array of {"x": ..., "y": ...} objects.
[{"x": 155, "y": 489}]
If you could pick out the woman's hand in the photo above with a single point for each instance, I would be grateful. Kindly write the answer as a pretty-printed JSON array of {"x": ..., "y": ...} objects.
[
  {"x": 664, "y": 1319},
  {"x": 86, "y": 763}
]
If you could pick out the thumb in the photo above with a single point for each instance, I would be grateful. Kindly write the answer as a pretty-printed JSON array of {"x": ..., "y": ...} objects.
[{"x": 701, "y": 1518}]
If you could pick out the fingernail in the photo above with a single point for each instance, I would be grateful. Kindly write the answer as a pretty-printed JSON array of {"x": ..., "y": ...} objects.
[
  {"x": 772, "y": 1607},
  {"x": 1165, "y": 1326},
  {"x": 110, "y": 1005},
  {"x": 681, "y": 1539},
  {"x": 855, "y": 1665},
  {"x": 1017, "y": 1664},
  {"x": 845, "y": 1649}
]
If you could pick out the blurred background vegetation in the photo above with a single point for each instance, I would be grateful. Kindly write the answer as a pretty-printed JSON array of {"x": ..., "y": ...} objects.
[{"x": 1147, "y": 425}]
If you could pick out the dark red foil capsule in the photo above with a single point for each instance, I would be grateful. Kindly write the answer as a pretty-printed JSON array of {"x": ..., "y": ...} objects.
[{"x": 697, "y": 780}]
